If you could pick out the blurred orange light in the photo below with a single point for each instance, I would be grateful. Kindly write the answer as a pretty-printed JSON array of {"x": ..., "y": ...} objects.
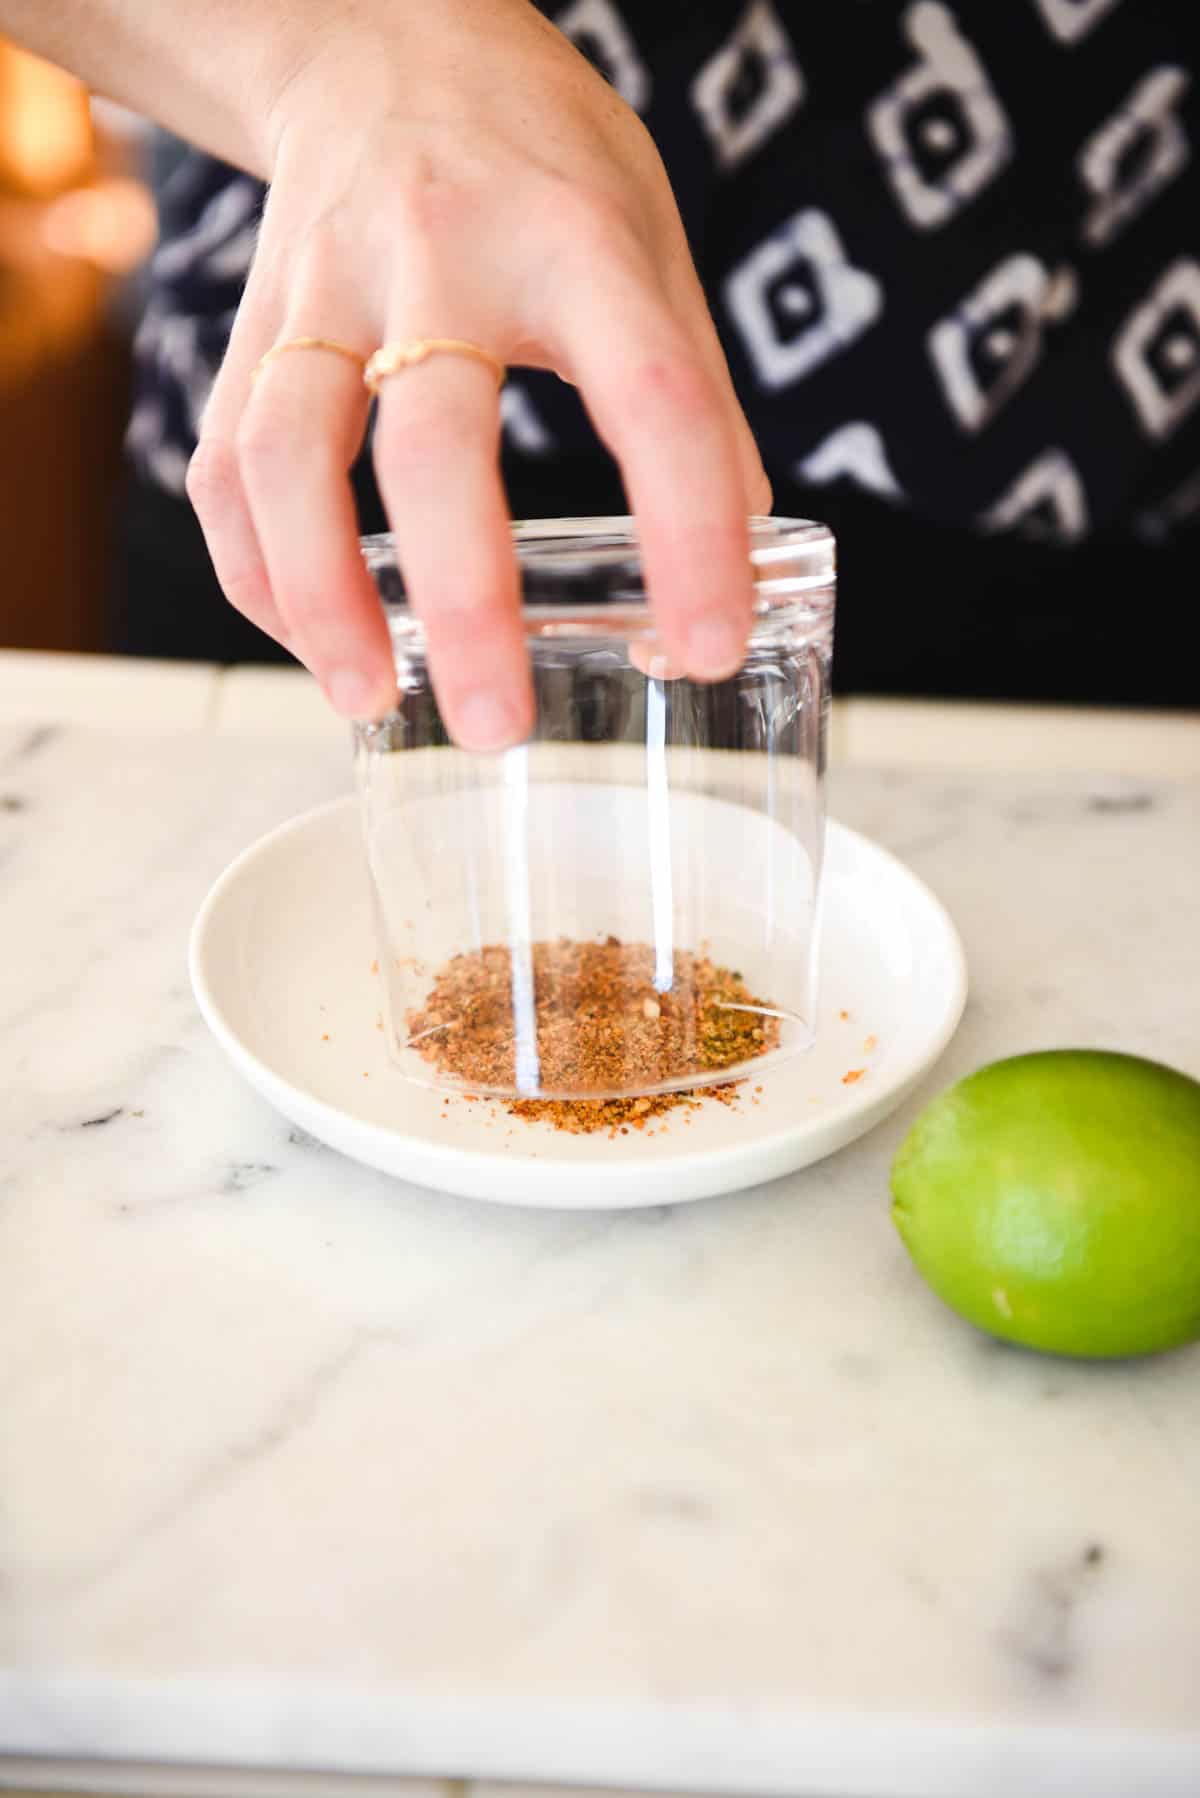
[
  {"x": 111, "y": 224},
  {"x": 45, "y": 126}
]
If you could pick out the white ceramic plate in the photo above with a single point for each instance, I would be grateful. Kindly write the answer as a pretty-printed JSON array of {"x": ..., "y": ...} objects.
[{"x": 281, "y": 959}]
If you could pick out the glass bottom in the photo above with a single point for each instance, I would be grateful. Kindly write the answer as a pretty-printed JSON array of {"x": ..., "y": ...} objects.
[
  {"x": 594, "y": 1019},
  {"x": 606, "y": 955}
]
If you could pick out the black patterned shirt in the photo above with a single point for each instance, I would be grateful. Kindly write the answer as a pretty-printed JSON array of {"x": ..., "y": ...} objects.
[{"x": 952, "y": 249}]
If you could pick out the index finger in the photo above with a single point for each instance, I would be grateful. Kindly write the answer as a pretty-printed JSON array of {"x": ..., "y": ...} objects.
[{"x": 655, "y": 403}]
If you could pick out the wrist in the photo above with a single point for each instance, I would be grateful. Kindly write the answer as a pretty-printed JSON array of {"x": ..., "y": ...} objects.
[{"x": 311, "y": 73}]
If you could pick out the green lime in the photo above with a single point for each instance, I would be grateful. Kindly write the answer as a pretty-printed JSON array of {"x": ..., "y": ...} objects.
[{"x": 1054, "y": 1200}]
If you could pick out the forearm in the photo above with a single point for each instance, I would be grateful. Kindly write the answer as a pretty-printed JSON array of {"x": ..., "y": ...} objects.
[{"x": 210, "y": 70}]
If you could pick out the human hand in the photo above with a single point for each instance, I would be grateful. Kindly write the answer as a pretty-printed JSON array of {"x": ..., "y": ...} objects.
[{"x": 472, "y": 179}]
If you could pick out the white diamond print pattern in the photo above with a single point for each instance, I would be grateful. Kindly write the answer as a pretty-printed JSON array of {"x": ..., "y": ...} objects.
[
  {"x": 522, "y": 424},
  {"x": 796, "y": 300},
  {"x": 855, "y": 452},
  {"x": 1156, "y": 353},
  {"x": 1047, "y": 501},
  {"x": 752, "y": 84},
  {"x": 989, "y": 345},
  {"x": 597, "y": 28},
  {"x": 1146, "y": 132},
  {"x": 1071, "y": 20},
  {"x": 940, "y": 130}
]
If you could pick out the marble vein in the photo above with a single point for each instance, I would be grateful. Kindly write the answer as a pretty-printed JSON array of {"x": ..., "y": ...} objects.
[{"x": 291, "y": 1413}]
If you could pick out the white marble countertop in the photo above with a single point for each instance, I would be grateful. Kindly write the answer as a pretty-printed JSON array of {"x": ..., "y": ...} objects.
[{"x": 303, "y": 1470}]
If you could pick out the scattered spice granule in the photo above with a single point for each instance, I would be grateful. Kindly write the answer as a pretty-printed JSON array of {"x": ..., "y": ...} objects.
[
  {"x": 374, "y": 967},
  {"x": 379, "y": 1020},
  {"x": 844, "y": 1015},
  {"x": 871, "y": 1044},
  {"x": 852, "y": 1076},
  {"x": 600, "y": 1021},
  {"x": 325, "y": 1036}
]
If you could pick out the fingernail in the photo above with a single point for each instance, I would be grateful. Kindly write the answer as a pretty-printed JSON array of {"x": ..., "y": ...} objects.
[
  {"x": 484, "y": 722},
  {"x": 716, "y": 646},
  {"x": 352, "y": 694}
]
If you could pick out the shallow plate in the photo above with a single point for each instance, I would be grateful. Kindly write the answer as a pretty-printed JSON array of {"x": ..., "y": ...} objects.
[{"x": 282, "y": 955}]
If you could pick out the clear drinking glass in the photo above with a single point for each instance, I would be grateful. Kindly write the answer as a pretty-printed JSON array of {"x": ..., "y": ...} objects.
[{"x": 628, "y": 902}]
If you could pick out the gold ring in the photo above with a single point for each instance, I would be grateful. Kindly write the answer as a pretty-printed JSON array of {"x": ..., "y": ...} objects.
[
  {"x": 394, "y": 358},
  {"x": 308, "y": 343}
]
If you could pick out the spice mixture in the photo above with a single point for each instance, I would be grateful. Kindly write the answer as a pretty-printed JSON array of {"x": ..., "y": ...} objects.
[{"x": 600, "y": 1022}]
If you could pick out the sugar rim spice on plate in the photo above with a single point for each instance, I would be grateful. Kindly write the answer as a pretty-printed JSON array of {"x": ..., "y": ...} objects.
[{"x": 600, "y": 1022}]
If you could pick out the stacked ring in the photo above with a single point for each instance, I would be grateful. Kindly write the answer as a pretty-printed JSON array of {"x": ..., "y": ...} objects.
[
  {"x": 394, "y": 358},
  {"x": 308, "y": 343}
]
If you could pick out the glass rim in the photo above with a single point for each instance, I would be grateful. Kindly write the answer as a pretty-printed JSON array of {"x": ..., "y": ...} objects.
[{"x": 790, "y": 557}]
